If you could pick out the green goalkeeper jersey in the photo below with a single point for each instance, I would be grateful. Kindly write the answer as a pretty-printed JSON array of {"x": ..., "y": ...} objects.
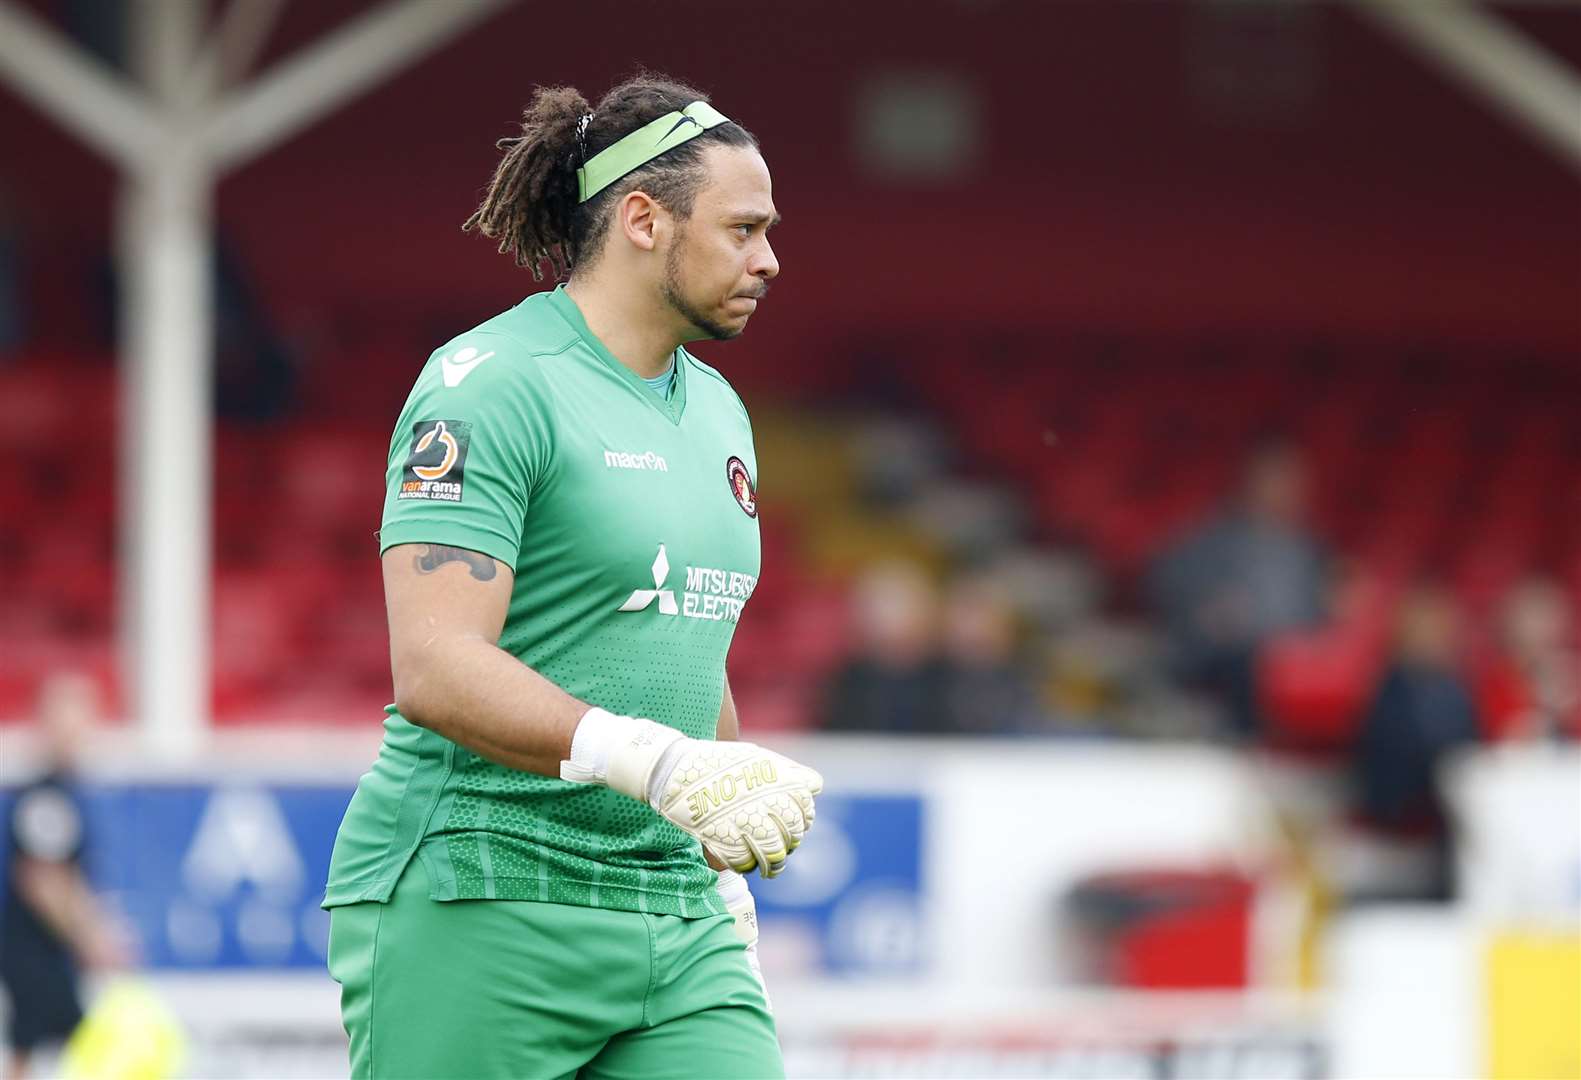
[{"x": 631, "y": 523}]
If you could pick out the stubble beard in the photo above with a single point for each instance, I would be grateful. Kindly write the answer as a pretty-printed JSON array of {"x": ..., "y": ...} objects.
[{"x": 671, "y": 291}]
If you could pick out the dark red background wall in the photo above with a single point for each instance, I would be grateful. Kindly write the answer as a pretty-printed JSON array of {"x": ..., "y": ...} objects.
[{"x": 1387, "y": 203}]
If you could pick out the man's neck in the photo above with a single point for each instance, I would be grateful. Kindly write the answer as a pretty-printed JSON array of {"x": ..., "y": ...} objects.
[{"x": 634, "y": 331}]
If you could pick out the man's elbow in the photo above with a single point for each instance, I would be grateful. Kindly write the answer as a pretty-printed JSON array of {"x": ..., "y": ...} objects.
[
  {"x": 428, "y": 679},
  {"x": 414, "y": 692}
]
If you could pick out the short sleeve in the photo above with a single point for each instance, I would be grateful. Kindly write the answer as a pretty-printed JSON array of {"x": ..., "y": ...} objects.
[
  {"x": 470, "y": 445},
  {"x": 46, "y": 824}
]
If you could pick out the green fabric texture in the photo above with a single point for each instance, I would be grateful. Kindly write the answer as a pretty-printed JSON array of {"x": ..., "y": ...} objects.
[
  {"x": 634, "y": 553},
  {"x": 635, "y": 150},
  {"x": 511, "y": 989}
]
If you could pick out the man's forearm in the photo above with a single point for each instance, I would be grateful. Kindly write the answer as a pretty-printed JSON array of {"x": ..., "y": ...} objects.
[
  {"x": 476, "y": 694},
  {"x": 727, "y": 730},
  {"x": 729, "y": 727},
  {"x": 58, "y": 895},
  {"x": 46, "y": 888}
]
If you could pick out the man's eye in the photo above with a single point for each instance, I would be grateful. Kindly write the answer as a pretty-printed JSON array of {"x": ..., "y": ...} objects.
[{"x": 744, "y": 230}]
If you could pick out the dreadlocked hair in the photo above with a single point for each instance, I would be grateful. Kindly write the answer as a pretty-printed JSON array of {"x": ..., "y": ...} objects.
[{"x": 531, "y": 205}]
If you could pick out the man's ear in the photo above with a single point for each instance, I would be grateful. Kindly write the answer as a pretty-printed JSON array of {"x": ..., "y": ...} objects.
[{"x": 638, "y": 216}]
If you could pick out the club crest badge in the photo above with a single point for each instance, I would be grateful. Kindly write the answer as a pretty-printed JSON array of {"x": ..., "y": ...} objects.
[{"x": 741, "y": 486}]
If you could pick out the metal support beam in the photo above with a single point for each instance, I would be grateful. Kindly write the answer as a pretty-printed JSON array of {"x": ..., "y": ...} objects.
[
  {"x": 240, "y": 36},
  {"x": 172, "y": 141},
  {"x": 296, "y": 92},
  {"x": 80, "y": 93},
  {"x": 1520, "y": 79},
  {"x": 166, "y": 263}
]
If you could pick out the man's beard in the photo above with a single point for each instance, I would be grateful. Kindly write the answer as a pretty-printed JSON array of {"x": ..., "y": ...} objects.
[{"x": 671, "y": 291}]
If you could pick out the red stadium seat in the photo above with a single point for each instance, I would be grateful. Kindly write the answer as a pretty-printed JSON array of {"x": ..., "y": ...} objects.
[
  {"x": 1313, "y": 688},
  {"x": 1118, "y": 444}
]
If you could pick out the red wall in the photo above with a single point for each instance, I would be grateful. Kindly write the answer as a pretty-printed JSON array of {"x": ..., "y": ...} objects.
[{"x": 1387, "y": 204}]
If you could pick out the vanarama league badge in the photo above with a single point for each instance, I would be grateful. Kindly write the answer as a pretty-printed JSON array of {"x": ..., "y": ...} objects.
[
  {"x": 741, "y": 485},
  {"x": 436, "y": 465}
]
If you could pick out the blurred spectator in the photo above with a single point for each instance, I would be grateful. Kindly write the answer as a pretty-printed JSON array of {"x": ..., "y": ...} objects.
[
  {"x": 51, "y": 924},
  {"x": 1421, "y": 712},
  {"x": 891, "y": 683},
  {"x": 254, "y": 370},
  {"x": 1251, "y": 572},
  {"x": 1101, "y": 677},
  {"x": 983, "y": 689},
  {"x": 1532, "y": 689}
]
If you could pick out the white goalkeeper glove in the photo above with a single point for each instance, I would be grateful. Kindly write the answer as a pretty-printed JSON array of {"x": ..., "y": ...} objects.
[
  {"x": 749, "y": 806},
  {"x": 738, "y": 901}
]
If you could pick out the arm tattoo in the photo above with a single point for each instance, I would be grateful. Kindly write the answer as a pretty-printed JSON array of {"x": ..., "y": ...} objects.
[{"x": 436, "y": 555}]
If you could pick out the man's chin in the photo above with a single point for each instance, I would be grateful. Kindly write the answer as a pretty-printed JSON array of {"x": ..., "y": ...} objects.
[{"x": 725, "y": 329}]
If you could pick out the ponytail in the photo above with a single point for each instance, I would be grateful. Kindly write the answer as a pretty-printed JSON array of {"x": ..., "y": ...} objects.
[
  {"x": 531, "y": 200},
  {"x": 531, "y": 205}
]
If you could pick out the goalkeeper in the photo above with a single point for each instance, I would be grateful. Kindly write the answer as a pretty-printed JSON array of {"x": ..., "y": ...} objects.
[{"x": 522, "y": 885}]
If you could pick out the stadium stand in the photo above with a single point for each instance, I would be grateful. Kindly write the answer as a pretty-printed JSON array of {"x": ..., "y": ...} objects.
[{"x": 1425, "y": 466}]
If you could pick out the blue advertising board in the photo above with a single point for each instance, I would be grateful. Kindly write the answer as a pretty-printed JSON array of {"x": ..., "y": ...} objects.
[
  {"x": 216, "y": 875},
  {"x": 230, "y": 875},
  {"x": 853, "y": 894}
]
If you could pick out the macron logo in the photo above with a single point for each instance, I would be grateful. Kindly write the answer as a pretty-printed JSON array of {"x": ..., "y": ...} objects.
[
  {"x": 461, "y": 365},
  {"x": 615, "y": 459}
]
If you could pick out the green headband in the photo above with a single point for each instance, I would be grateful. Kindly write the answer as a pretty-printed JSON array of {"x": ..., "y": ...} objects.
[{"x": 643, "y": 145}]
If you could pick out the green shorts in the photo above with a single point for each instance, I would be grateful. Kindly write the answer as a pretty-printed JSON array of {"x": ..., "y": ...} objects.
[{"x": 522, "y": 989}]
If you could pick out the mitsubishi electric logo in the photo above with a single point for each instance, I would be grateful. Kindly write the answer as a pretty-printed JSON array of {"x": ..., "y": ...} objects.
[
  {"x": 710, "y": 594},
  {"x": 641, "y": 598}
]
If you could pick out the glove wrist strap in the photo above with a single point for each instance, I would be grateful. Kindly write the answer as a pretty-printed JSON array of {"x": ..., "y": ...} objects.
[{"x": 619, "y": 751}]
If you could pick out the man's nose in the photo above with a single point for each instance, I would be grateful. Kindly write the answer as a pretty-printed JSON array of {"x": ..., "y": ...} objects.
[{"x": 766, "y": 266}]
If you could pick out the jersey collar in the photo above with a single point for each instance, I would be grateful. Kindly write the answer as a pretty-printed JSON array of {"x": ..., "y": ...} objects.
[{"x": 672, "y": 408}]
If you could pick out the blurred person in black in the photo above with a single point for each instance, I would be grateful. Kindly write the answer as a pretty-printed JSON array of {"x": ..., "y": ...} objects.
[
  {"x": 891, "y": 682},
  {"x": 1421, "y": 712},
  {"x": 254, "y": 368},
  {"x": 983, "y": 689},
  {"x": 51, "y": 924},
  {"x": 1248, "y": 573}
]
